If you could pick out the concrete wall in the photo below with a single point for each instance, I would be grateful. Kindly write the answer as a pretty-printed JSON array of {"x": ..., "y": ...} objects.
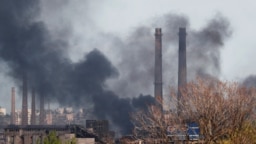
[{"x": 85, "y": 141}]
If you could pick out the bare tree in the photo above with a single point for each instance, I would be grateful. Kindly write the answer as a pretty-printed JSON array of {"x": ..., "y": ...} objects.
[
  {"x": 221, "y": 109},
  {"x": 151, "y": 125}
]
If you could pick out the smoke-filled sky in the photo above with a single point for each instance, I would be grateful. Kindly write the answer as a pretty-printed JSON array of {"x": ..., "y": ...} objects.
[
  {"x": 102, "y": 52},
  {"x": 122, "y": 17},
  {"x": 94, "y": 23}
]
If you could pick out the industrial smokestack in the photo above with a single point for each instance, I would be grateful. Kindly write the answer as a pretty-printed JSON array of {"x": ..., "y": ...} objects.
[
  {"x": 13, "y": 117},
  {"x": 182, "y": 72},
  {"x": 42, "y": 112},
  {"x": 24, "y": 120},
  {"x": 33, "y": 108},
  {"x": 158, "y": 67}
]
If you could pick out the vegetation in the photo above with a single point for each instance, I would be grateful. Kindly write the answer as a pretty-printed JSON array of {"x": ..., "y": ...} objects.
[
  {"x": 52, "y": 138},
  {"x": 224, "y": 112},
  {"x": 245, "y": 135},
  {"x": 72, "y": 141},
  {"x": 150, "y": 124}
]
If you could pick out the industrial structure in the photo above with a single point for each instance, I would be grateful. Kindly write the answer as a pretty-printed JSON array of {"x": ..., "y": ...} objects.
[
  {"x": 100, "y": 128},
  {"x": 33, "y": 108},
  {"x": 158, "y": 67},
  {"x": 182, "y": 67},
  {"x": 42, "y": 111},
  {"x": 31, "y": 134},
  {"x": 24, "y": 120},
  {"x": 96, "y": 129},
  {"x": 13, "y": 117}
]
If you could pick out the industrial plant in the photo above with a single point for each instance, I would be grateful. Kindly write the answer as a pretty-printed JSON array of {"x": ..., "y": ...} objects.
[
  {"x": 29, "y": 125},
  {"x": 127, "y": 72}
]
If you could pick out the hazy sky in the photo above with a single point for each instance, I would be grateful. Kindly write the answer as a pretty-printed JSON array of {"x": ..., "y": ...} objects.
[
  {"x": 121, "y": 17},
  {"x": 82, "y": 22}
]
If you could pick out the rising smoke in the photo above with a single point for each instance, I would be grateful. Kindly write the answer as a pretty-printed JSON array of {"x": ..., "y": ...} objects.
[
  {"x": 250, "y": 81},
  {"x": 137, "y": 51},
  {"x": 205, "y": 47},
  {"x": 27, "y": 47}
]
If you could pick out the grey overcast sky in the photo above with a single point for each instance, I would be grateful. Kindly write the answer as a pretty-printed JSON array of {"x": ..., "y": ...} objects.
[{"x": 83, "y": 23}]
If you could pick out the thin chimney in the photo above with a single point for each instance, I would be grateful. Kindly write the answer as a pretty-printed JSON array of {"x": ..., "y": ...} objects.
[
  {"x": 33, "y": 108},
  {"x": 158, "y": 67},
  {"x": 13, "y": 117},
  {"x": 49, "y": 114},
  {"x": 42, "y": 112},
  {"x": 182, "y": 73},
  {"x": 25, "y": 101}
]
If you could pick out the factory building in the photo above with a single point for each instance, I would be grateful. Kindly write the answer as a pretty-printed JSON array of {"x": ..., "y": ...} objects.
[{"x": 32, "y": 134}]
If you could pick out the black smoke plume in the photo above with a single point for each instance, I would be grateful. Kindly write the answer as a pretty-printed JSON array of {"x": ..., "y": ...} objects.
[
  {"x": 137, "y": 51},
  {"x": 27, "y": 47},
  {"x": 205, "y": 48}
]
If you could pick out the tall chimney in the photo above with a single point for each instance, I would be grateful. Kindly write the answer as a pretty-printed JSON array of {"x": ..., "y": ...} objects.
[
  {"x": 158, "y": 67},
  {"x": 182, "y": 72},
  {"x": 42, "y": 112},
  {"x": 33, "y": 108},
  {"x": 13, "y": 117},
  {"x": 49, "y": 114},
  {"x": 24, "y": 120}
]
